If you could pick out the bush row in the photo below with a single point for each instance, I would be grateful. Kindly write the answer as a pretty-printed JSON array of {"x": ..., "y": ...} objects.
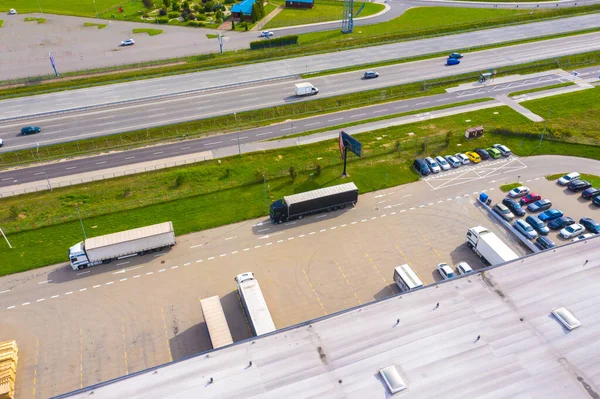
[{"x": 275, "y": 42}]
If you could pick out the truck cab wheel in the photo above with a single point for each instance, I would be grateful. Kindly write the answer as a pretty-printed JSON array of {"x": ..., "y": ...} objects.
[{"x": 300, "y": 217}]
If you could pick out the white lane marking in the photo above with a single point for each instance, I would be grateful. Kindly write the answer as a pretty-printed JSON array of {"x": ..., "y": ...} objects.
[
  {"x": 41, "y": 300},
  {"x": 10, "y": 307},
  {"x": 230, "y": 238},
  {"x": 130, "y": 158},
  {"x": 220, "y": 256},
  {"x": 11, "y": 178},
  {"x": 312, "y": 124},
  {"x": 54, "y": 296},
  {"x": 5, "y": 291},
  {"x": 423, "y": 103},
  {"x": 321, "y": 216},
  {"x": 211, "y": 258},
  {"x": 264, "y": 237},
  {"x": 322, "y": 230},
  {"x": 185, "y": 264},
  {"x": 196, "y": 246},
  {"x": 100, "y": 163},
  {"x": 97, "y": 286},
  {"x": 357, "y": 115},
  {"x": 185, "y": 148},
  {"x": 290, "y": 238},
  {"x": 136, "y": 276},
  {"x": 36, "y": 174},
  {"x": 410, "y": 209},
  {"x": 311, "y": 233},
  {"x": 161, "y": 270},
  {"x": 215, "y": 142},
  {"x": 156, "y": 256},
  {"x": 381, "y": 110},
  {"x": 83, "y": 289},
  {"x": 289, "y": 224},
  {"x": 440, "y": 201},
  {"x": 384, "y": 215},
  {"x": 123, "y": 279},
  {"x": 402, "y": 106},
  {"x": 336, "y": 119},
  {"x": 374, "y": 217},
  {"x": 333, "y": 228},
  {"x": 234, "y": 252},
  {"x": 246, "y": 249},
  {"x": 72, "y": 167},
  {"x": 301, "y": 235},
  {"x": 407, "y": 195},
  {"x": 393, "y": 213},
  {"x": 278, "y": 241},
  {"x": 199, "y": 261},
  {"x": 79, "y": 274},
  {"x": 121, "y": 264},
  {"x": 44, "y": 282},
  {"x": 269, "y": 243},
  {"x": 353, "y": 223},
  {"x": 26, "y": 303},
  {"x": 70, "y": 292},
  {"x": 149, "y": 273},
  {"x": 158, "y": 152},
  {"x": 262, "y": 134},
  {"x": 431, "y": 203},
  {"x": 109, "y": 283},
  {"x": 261, "y": 230},
  {"x": 126, "y": 270}
]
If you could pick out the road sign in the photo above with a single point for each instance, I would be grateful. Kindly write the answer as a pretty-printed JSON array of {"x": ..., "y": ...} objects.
[{"x": 351, "y": 143}]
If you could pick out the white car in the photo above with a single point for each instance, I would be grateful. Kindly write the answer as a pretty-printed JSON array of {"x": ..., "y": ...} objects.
[
  {"x": 463, "y": 268},
  {"x": 128, "y": 42},
  {"x": 442, "y": 162},
  {"x": 518, "y": 191},
  {"x": 12, "y": 12},
  {"x": 435, "y": 168},
  {"x": 1, "y": 142},
  {"x": 445, "y": 271},
  {"x": 463, "y": 158},
  {"x": 452, "y": 160},
  {"x": 582, "y": 237},
  {"x": 266, "y": 33},
  {"x": 573, "y": 230},
  {"x": 503, "y": 149},
  {"x": 566, "y": 179}
]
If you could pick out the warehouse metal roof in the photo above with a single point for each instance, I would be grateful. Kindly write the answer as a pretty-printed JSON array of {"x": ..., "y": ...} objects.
[
  {"x": 319, "y": 193},
  {"x": 128, "y": 235},
  {"x": 492, "y": 336}
]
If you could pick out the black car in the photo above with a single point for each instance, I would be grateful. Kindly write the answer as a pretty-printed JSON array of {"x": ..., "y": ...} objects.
[
  {"x": 544, "y": 242},
  {"x": 560, "y": 223},
  {"x": 590, "y": 193},
  {"x": 482, "y": 153},
  {"x": 540, "y": 205},
  {"x": 590, "y": 224},
  {"x": 514, "y": 206},
  {"x": 30, "y": 130},
  {"x": 579, "y": 185}
]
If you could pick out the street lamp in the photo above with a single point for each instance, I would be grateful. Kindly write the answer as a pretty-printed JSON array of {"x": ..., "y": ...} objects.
[
  {"x": 545, "y": 124},
  {"x": 40, "y": 6},
  {"x": 265, "y": 186},
  {"x": 237, "y": 132},
  {"x": 80, "y": 221},
  {"x": 95, "y": 9},
  {"x": 43, "y": 167}
]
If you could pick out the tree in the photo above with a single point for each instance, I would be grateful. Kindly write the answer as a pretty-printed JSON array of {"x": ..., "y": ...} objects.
[
  {"x": 167, "y": 3},
  {"x": 254, "y": 14},
  {"x": 241, "y": 16},
  {"x": 293, "y": 173},
  {"x": 261, "y": 9},
  {"x": 232, "y": 24},
  {"x": 147, "y": 3},
  {"x": 175, "y": 6}
]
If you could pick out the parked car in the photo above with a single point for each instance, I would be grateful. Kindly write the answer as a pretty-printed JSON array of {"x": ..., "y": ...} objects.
[
  {"x": 452, "y": 160},
  {"x": 583, "y": 237},
  {"x": 452, "y": 61},
  {"x": 12, "y": 12},
  {"x": 518, "y": 191},
  {"x": 482, "y": 153},
  {"x": 529, "y": 198},
  {"x": 544, "y": 243},
  {"x": 503, "y": 149},
  {"x": 433, "y": 165},
  {"x": 442, "y": 162},
  {"x": 590, "y": 224},
  {"x": 266, "y": 33},
  {"x": 463, "y": 268},
  {"x": 1, "y": 142},
  {"x": 550, "y": 214},
  {"x": 572, "y": 230},
  {"x": 590, "y": 193},
  {"x": 421, "y": 167},
  {"x": 494, "y": 153},
  {"x": 127, "y": 42},
  {"x": 540, "y": 205},
  {"x": 560, "y": 223},
  {"x": 596, "y": 200},
  {"x": 504, "y": 212},
  {"x": 537, "y": 224},
  {"x": 371, "y": 75},
  {"x": 473, "y": 156},
  {"x": 463, "y": 158},
  {"x": 455, "y": 55},
  {"x": 445, "y": 271},
  {"x": 525, "y": 228},
  {"x": 514, "y": 206},
  {"x": 579, "y": 185},
  {"x": 30, "y": 130},
  {"x": 568, "y": 178}
]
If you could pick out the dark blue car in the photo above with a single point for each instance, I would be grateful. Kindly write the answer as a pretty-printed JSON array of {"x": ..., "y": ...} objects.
[
  {"x": 560, "y": 223},
  {"x": 544, "y": 243},
  {"x": 537, "y": 224},
  {"x": 590, "y": 224},
  {"x": 452, "y": 61},
  {"x": 514, "y": 206},
  {"x": 550, "y": 214}
]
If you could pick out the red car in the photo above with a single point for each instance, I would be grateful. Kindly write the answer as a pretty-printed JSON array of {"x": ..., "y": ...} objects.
[{"x": 529, "y": 198}]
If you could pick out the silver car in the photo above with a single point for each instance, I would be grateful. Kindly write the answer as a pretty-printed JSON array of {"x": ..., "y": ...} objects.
[
  {"x": 442, "y": 162},
  {"x": 463, "y": 158},
  {"x": 504, "y": 212},
  {"x": 433, "y": 165},
  {"x": 452, "y": 160}
]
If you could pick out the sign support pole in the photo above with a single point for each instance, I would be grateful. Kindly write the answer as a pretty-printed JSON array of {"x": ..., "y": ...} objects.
[{"x": 344, "y": 174}]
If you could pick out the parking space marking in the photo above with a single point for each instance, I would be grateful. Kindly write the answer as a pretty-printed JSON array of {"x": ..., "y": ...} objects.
[
  {"x": 432, "y": 247},
  {"x": 124, "y": 346},
  {"x": 81, "y": 358},
  {"x": 314, "y": 292},
  {"x": 348, "y": 282},
  {"x": 166, "y": 335},
  {"x": 379, "y": 272}
]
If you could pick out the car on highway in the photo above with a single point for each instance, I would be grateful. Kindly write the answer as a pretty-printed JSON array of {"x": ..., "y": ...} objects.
[
  {"x": 503, "y": 149},
  {"x": 590, "y": 224},
  {"x": 1, "y": 142},
  {"x": 596, "y": 200},
  {"x": 525, "y": 228},
  {"x": 590, "y": 193},
  {"x": 127, "y": 42},
  {"x": 442, "y": 162},
  {"x": 494, "y": 153},
  {"x": 504, "y": 212},
  {"x": 455, "y": 55},
  {"x": 572, "y": 230},
  {"x": 550, "y": 214},
  {"x": 445, "y": 271},
  {"x": 568, "y": 178},
  {"x": 560, "y": 223},
  {"x": 514, "y": 206},
  {"x": 529, "y": 198},
  {"x": 540, "y": 205},
  {"x": 12, "y": 11},
  {"x": 544, "y": 243},
  {"x": 30, "y": 130},
  {"x": 583, "y": 237},
  {"x": 433, "y": 165},
  {"x": 482, "y": 153},
  {"x": 537, "y": 224},
  {"x": 462, "y": 158},
  {"x": 266, "y": 33},
  {"x": 463, "y": 268},
  {"x": 452, "y": 61},
  {"x": 579, "y": 185},
  {"x": 370, "y": 75},
  {"x": 452, "y": 160},
  {"x": 518, "y": 191},
  {"x": 473, "y": 156}
]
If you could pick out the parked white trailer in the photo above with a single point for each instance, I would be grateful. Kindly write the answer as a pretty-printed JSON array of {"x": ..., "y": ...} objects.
[
  {"x": 216, "y": 323},
  {"x": 305, "y": 89},
  {"x": 488, "y": 246},
  {"x": 104, "y": 249},
  {"x": 254, "y": 304}
]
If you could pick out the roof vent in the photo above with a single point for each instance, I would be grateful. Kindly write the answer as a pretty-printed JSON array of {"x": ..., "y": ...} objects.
[{"x": 392, "y": 379}]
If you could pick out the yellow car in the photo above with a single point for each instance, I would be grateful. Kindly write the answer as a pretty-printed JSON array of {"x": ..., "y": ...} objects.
[{"x": 473, "y": 156}]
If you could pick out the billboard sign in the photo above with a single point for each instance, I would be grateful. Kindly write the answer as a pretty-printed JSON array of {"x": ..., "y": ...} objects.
[{"x": 351, "y": 143}]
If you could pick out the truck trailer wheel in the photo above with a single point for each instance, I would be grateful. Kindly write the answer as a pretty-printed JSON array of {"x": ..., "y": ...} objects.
[{"x": 300, "y": 217}]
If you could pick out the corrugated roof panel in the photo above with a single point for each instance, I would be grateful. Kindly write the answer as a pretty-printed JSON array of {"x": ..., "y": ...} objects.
[
  {"x": 128, "y": 235},
  {"x": 321, "y": 192}
]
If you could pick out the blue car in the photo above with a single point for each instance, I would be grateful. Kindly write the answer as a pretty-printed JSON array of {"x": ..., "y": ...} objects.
[
  {"x": 590, "y": 224},
  {"x": 560, "y": 223},
  {"x": 525, "y": 228},
  {"x": 550, "y": 214},
  {"x": 452, "y": 61},
  {"x": 537, "y": 224},
  {"x": 539, "y": 205},
  {"x": 544, "y": 243}
]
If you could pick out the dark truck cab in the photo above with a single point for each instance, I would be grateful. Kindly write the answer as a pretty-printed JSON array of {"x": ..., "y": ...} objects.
[{"x": 321, "y": 200}]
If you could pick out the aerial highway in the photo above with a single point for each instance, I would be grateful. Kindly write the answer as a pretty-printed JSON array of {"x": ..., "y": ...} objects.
[{"x": 98, "y": 122}]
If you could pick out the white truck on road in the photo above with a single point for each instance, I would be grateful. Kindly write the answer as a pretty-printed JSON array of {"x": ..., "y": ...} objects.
[
  {"x": 104, "y": 249},
  {"x": 254, "y": 304},
  {"x": 305, "y": 89},
  {"x": 488, "y": 246}
]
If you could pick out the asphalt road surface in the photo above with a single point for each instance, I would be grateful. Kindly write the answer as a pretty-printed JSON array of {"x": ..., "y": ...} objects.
[
  {"x": 76, "y": 328},
  {"x": 61, "y": 169},
  {"x": 32, "y": 105}
]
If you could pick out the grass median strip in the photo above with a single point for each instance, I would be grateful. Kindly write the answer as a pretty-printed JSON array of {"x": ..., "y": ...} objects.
[
  {"x": 33, "y": 19},
  {"x": 150, "y": 32},
  {"x": 90, "y": 24},
  {"x": 507, "y": 187},
  {"x": 538, "y": 89}
]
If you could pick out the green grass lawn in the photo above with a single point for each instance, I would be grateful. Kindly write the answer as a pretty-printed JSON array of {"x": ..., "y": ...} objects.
[
  {"x": 65, "y": 7},
  {"x": 212, "y": 36},
  {"x": 90, "y": 24},
  {"x": 321, "y": 12},
  {"x": 150, "y": 32},
  {"x": 507, "y": 187},
  {"x": 593, "y": 179},
  {"x": 1, "y": 23}
]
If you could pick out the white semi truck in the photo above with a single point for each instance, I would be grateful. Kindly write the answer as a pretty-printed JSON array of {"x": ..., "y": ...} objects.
[
  {"x": 254, "y": 304},
  {"x": 306, "y": 89},
  {"x": 488, "y": 246},
  {"x": 104, "y": 249}
]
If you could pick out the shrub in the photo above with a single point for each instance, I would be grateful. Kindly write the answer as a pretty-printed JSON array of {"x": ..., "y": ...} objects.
[
  {"x": 185, "y": 5},
  {"x": 173, "y": 14},
  {"x": 218, "y": 21},
  {"x": 196, "y": 24},
  {"x": 162, "y": 12},
  {"x": 293, "y": 173},
  {"x": 163, "y": 20},
  {"x": 275, "y": 42},
  {"x": 229, "y": 1},
  {"x": 318, "y": 170},
  {"x": 147, "y": 3},
  {"x": 201, "y": 17},
  {"x": 219, "y": 15},
  {"x": 176, "y": 7},
  {"x": 145, "y": 15},
  {"x": 232, "y": 24},
  {"x": 167, "y": 3}
]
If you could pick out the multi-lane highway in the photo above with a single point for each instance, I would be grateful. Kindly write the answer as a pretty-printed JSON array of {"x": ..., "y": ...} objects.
[{"x": 93, "y": 123}]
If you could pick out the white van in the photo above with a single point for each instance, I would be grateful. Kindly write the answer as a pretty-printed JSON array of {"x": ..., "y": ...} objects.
[{"x": 406, "y": 279}]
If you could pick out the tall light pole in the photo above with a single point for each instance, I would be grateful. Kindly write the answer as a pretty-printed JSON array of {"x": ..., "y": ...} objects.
[
  {"x": 80, "y": 221},
  {"x": 545, "y": 124},
  {"x": 43, "y": 167},
  {"x": 3, "y": 235},
  {"x": 237, "y": 132},
  {"x": 95, "y": 9},
  {"x": 265, "y": 186},
  {"x": 40, "y": 6}
]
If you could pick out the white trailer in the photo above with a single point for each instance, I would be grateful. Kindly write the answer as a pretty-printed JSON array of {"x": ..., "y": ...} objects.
[
  {"x": 254, "y": 304},
  {"x": 305, "y": 89},
  {"x": 488, "y": 246},
  {"x": 104, "y": 249},
  {"x": 216, "y": 323}
]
